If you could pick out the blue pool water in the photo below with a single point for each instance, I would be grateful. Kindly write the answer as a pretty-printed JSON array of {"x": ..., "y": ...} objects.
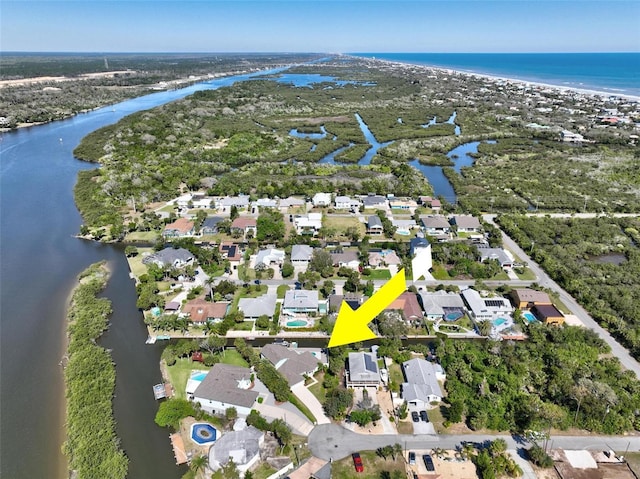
[
  {"x": 453, "y": 316},
  {"x": 529, "y": 317},
  {"x": 199, "y": 376},
  {"x": 203, "y": 433},
  {"x": 499, "y": 321},
  {"x": 297, "y": 323}
]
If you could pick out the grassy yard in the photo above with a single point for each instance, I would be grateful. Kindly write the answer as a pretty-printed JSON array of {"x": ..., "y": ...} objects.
[
  {"x": 317, "y": 389},
  {"x": 373, "y": 466},
  {"x": 243, "y": 326},
  {"x": 395, "y": 373},
  {"x": 179, "y": 374},
  {"x": 405, "y": 427},
  {"x": 263, "y": 471},
  {"x": 146, "y": 236},
  {"x": 341, "y": 223},
  {"x": 378, "y": 274},
  {"x": 439, "y": 272},
  {"x": 282, "y": 289},
  {"x": 527, "y": 275},
  {"x": 135, "y": 262},
  {"x": 233, "y": 357},
  {"x": 501, "y": 276}
]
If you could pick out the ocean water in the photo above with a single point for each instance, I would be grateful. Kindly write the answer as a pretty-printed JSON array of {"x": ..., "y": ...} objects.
[{"x": 614, "y": 73}]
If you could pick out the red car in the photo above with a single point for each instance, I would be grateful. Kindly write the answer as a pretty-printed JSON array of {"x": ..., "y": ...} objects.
[{"x": 357, "y": 462}]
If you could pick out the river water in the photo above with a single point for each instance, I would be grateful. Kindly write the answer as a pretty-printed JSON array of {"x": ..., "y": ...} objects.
[{"x": 39, "y": 261}]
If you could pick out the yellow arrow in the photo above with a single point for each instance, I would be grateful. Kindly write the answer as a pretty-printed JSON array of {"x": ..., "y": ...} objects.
[{"x": 351, "y": 326}]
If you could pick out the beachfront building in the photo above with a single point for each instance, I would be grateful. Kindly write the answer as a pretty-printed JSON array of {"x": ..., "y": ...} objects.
[
  {"x": 486, "y": 308},
  {"x": 363, "y": 370},
  {"x": 226, "y": 386},
  {"x": 422, "y": 387},
  {"x": 421, "y": 261}
]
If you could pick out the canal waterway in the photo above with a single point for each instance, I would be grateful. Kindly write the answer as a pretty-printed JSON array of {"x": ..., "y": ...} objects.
[{"x": 38, "y": 267}]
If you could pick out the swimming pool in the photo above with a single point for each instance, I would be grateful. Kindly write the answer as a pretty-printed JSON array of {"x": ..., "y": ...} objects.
[
  {"x": 529, "y": 316},
  {"x": 198, "y": 376},
  {"x": 203, "y": 433},
  {"x": 499, "y": 322},
  {"x": 296, "y": 323},
  {"x": 453, "y": 316}
]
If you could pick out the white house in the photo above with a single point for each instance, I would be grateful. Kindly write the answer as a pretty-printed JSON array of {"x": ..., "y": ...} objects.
[
  {"x": 347, "y": 258},
  {"x": 421, "y": 261},
  {"x": 438, "y": 304},
  {"x": 242, "y": 446},
  {"x": 486, "y": 308},
  {"x": 267, "y": 257},
  {"x": 301, "y": 254},
  {"x": 226, "y": 386},
  {"x": 309, "y": 224},
  {"x": 266, "y": 203},
  {"x": 346, "y": 203},
  {"x": 300, "y": 301},
  {"x": 363, "y": 370},
  {"x": 253, "y": 308},
  {"x": 421, "y": 386},
  {"x": 321, "y": 199}
]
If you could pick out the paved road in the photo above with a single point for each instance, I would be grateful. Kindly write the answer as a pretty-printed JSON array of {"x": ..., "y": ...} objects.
[
  {"x": 545, "y": 281},
  {"x": 330, "y": 441}
]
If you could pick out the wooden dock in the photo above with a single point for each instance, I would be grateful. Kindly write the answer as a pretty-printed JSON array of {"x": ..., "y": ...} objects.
[{"x": 178, "y": 448}]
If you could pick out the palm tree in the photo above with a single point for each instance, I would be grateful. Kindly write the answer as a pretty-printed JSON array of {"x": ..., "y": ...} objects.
[
  {"x": 397, "y": 450},
  {"x": 198, "y": 463}
]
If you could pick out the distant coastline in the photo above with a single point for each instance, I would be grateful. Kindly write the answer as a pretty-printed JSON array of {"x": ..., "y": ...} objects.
[{"x": 626, "y": 87}]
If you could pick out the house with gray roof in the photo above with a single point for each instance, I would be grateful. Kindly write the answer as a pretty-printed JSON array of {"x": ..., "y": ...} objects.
[
  {"x": 301, "y": 254},
  {"x": 346, "y": 203},
  {"x": 374, "y": 201},
  {"x": 170, "y": 257},
  {"x": 210, "y": 225},
  {"x": 253, "y": 308},
  {"x": 300, "y": 301},
  {"x": 226, "y": 386},
  {"x": 435, "y": 225},
  {"x": 240, "y": 446},
  {"x": 292, "y": 364},
  {"x": 291, "y": 202},
  {"x": 421, "y": 386},
  {"x": 363, "y": 370},
  {"x": 486, "y": 308},
  {"x": 466, "y": 223},
  {"x": 238, "y": 201},
  {"x": 502, "y": 256},
  {"x": 374, "y": 225},
  {"x": 267, "y": 257},
  {"x": 266, "y": 203},
  {"x": 439, "y": 304},
  {"x": 348, "y": 258}
]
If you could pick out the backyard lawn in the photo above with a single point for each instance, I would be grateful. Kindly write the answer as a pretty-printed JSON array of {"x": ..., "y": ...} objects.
[
  {"x": 378, "y": 274},
  {"x": 341, "y": 223},
  {"x": 135, "y": 262},
  {"x": 317, "y": 389},
  {"x": 179, "y": 374}
]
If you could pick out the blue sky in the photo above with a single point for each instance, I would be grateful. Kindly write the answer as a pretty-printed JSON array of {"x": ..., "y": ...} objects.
[{"x": 321, "y": 26}]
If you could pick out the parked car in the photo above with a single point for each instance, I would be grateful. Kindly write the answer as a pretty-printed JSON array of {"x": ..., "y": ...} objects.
[
  {"x": 428, "y": 462},
  {"x": 357, "y": 462},
  {"x": 412, "y": 458},
  {"x": 414, "y": 416},
  {"x": 423, "y": 416}
]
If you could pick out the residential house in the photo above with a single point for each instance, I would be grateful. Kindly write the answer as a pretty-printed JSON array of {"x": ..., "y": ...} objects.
[
  {"x": 548, "y": 314},
  {"x": 347, "y": 258},
  {"x": 374, "y": 201},
  {"x": 210, "y": 225},
  {"x": 432, "y": 203},
  {"x": 406, "y": 204},
  {"x": 292, "y": 364},
  {"x": 466, "y": 223},
  {"x": 248, "y": 226},
  {"x": 407, "y": 304},
  {"x": 374, "y": 226},
  {"x": 201, "y": 201},
  {"x": 253, "y": 308},
  {"x": 354, "y": 300},
  {"x": 321, "y": 199},
  {"x": 242, "y": 446},
  {"x": 384, "y": 258},
  {"x": 170, "y": 257},
  {"x": 240, "y": 202},
  {"x": 569, "y": 137},
  {"x": 502, "y": 256},
  {"x": 441, "y": 305},
  {"x": 202, "y": 311},
  {"x": 486, "y": 308},
  {"x": 301, "y": 301},
  {"x": 268, "y": 257},
  {"x": 301, "y": 254},
  {"x": 291, "y": 202},
  {"x": 363, "y": 370},
  {"x": 421, "y": 261},
  {"x": 308, "y": 224},
  {"x": 435, "y": 225},
  {"x": 526, "y": 298},
  {"x": 422, "y": 387},
  {"x": 404, "y": 227},
  {"x": 226, "y": 386},
  {"x": 172, "y": 307},
  {"x": 180, "y": 228},
  {"x": 346, "y": 203},
  {"x": 266, "y": 203},
  {"x": 232, "y": 253}
]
